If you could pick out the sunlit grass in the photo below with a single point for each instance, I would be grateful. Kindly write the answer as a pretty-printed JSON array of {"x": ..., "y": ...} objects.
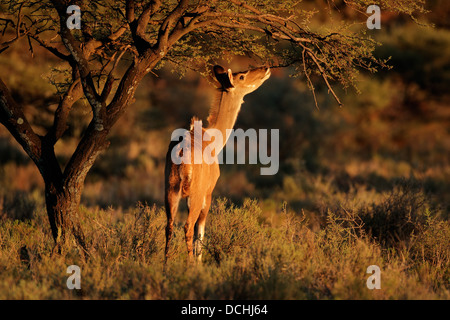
[{"x": 246, "y": 255}]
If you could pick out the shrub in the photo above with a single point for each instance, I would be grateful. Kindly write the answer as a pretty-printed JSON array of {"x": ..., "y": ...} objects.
[
  {"x": 17, "y": 205},
  {"x": 231, "y": 229},
  {"x": 393, "y": 221},
  {"x": 430, "y": 252}
]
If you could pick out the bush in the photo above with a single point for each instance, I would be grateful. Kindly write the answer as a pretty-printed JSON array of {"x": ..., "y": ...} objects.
[
  {"x": 231, "y": 229},
  {"x": 247, "y": 256},
  {"x": 395, "y": 220},
  {"x": 430, "y": 252},
  {"x": 17, "y": 205}
]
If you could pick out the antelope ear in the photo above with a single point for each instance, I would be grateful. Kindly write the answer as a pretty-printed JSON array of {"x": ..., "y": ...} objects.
[{"x": 225, "y": 78}]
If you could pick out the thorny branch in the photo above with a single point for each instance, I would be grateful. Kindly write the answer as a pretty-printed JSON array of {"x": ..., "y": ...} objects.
[{"x": 143, "y": 33}]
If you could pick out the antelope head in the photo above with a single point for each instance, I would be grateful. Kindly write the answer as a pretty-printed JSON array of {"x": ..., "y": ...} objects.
[{"x": 241, "y": 83}]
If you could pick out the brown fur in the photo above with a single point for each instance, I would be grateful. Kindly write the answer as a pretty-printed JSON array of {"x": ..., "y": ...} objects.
[{"x": 196, "y": 182}]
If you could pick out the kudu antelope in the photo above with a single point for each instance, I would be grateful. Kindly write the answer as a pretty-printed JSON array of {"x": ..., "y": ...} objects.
[{"x": 196, "y": 182}]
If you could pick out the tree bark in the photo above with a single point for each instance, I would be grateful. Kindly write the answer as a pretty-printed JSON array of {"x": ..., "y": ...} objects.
[
  {"x": 62, "y": 198},
  {"x": 64, "y": 217}
]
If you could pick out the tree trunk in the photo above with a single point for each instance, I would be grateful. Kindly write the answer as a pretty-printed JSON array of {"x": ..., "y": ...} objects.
[
  {"x": 63, "y": 192},
  {"x": 63, "y": 213}
]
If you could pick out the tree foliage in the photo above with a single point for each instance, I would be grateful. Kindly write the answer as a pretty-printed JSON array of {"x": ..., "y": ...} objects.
[{"x": 198, "y": 33}]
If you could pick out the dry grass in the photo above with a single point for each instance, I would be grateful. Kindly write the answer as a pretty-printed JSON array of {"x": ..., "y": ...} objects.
[{"x": 246, "y": 256}]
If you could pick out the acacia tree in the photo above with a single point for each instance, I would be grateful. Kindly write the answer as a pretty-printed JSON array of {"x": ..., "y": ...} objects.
[{"x": 142, "y": 36}]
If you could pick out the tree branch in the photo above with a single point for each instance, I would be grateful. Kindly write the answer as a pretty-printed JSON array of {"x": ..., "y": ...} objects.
[
  {"x": 73, "y": 94},
  {"x": 13, "y": 118},
  {"x": 166, "y": 27},
  {"x": 110, "y": 79},
  {"x": 51, "y": 49},
  {"x": 81, "y": 54}
]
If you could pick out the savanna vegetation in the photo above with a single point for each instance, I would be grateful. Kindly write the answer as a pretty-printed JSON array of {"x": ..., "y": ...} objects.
[{"x": 362, "y": 184}]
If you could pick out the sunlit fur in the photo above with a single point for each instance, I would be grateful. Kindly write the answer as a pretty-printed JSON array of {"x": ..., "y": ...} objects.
[{"x": 196, "y": 182}]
